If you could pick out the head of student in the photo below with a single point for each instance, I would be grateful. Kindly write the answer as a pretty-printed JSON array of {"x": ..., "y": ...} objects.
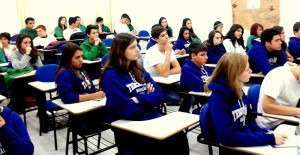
[
  {"x": 184, "y": 33},
  {"x": 92, "y": 32},
  {"x": 62, "y": 22},
  {"x": 72, "y": 21},
  {"x": 5, "y": 38},
  {"x": 124, "y": 18},
  {"x": 187, "y": 22},
  {"x": 163, "y": 22},
  {"x": 235, "y": 33},
  {"x": 41, "y": 31},
  {"x": 270, "y": 38},
  {"x": 159, "y": 34},
  {"x": 296, "y": 29},
  {"x": 99, "y": 20},
  {"x": 78, "y": 20},
  {"x": 234, "y": 69},
  {"x": 218, "y": 26},
  {"x": 29, "y": 23},
  {"x": 281, "y": 30},
  {"x": 23, "y": 41},
  {"x": 198, "y": 53},
  {"x": 214, "y": 38},
  {"x": 71, "y": 58},
  {"x": 256, "y": 29}
]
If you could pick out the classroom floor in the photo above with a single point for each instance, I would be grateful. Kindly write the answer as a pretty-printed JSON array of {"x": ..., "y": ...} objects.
[{"x": 45, "y": 144}]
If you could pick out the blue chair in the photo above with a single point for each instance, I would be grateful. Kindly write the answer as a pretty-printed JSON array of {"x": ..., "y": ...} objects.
[
  {"x": 143, "y": 33},
  {"x": 47, "y": 73},
  {"x": 253, "y": 95},
  {"x": 14, "y": 38},
  {"x": 207, "y": 132},
  {"x": 103, "y": 59},
  {"x": 108, "y": 42}
]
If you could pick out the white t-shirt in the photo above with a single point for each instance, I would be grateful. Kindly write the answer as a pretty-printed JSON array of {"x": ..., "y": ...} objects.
[
  {"x": 38, "y": 41},
  {"x": 281, "y": 85},
  {"x": 9, "y": 51},
  {"x": 68, "y": 32},
  {"x": 121, "y": 28},
  {"x": 231, "y": 49},
  {"x": 153, "y": 57}
]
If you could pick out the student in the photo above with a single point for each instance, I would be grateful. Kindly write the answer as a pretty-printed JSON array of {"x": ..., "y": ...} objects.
[
  {"x": 194, "y": 72},
  {"x": 267, "y": 55},
  {"x": 158, "y": 62},
  {"x": 188, "y": 23},
  {"x": 101, "y": 27},
  {"x": 133, "y": 95},
  {"x": 215, "y": 48},
  {"x": 232, "y": 120},
  {"x": 122, "y": 27},
  {"x": 284, "y": 46},
  {"x": 26, "y": 55},
  {"x": 130, "y": 27},
  {"x": 79, "y": 25},
  {"x": 255, "y": 32},
  {"x": 43, "y": 39},
  {"x": 29, "y": 29},
  {"x": 151, "y": 41},
  {"x": 279, "y": 94},
  {"x": 6, "y": 47},
  {"x": 73, "y": 83},
  {"x": 73, "y": 28},
  {"x": 61, "y": 26},
  {"x": 14, "y": 138},
  {"x": 294, "y": 43},
  {"x": 234, "y": 41},
  {"x": 164, "y": 23},
  {"x": 93, "y": 47},
  {"x": 218, "y": 26},
  {"x": 183, "y": 41}
]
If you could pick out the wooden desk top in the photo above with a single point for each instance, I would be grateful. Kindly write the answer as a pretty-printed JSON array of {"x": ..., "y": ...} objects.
[
  {"x": 257, "y": 75},
  {"x": 43, "y": 86},
  {"x": 167, "y": 80},
  {"x": 282, "y": 117},
  {"x": 181, "y": 56},
  {"x": 81, "y": 107},
  {"x": 205, "y": 94},
  {"x": 211, "y": 65},
  {"x": 97, "y": 60},
  {"x": 159, "y": 128},
  {"x": 32, "y": 73}
]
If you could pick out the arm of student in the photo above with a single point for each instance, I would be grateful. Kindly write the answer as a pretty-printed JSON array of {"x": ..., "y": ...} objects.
[
  {"x": 269, "y": 105},
  {"x": 188, "y": 79},
  {"x": 19, "y": 64},
  {"x": 103, "y": 49},
  {"x": 89, "y": 54},
  {"x": 64, "y": 84},
  {"x": 164, "y": 69},
  {"x": 176, "y": 67}
]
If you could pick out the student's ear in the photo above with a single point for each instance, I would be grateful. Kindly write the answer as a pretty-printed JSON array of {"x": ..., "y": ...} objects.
[{"x": 193, "y": 55}]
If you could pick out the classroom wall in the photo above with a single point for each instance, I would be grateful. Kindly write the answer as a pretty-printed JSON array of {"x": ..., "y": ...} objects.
[{"x": 144, "y": 14}]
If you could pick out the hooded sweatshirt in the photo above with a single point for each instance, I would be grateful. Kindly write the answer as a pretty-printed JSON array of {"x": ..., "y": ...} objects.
[
  {"x": 215, "y": 53},
  {"x": 14, "y": 138},
  {"x": 232, "y": 118},
  {"x": 120, "y": 86},
  {"x": 294, "y": 47}
]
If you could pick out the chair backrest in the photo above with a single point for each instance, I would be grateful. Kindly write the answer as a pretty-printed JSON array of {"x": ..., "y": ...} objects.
[
  {"x": 14, "y": 37},
  {"x": 143, "y": 33},
  {"x": 108, "y": 41},
  {"x": 46, "y": 73},
  {"x": 103, "y": 59},
  {"x": 253, "y": 95},
  {"x": 206, "y": 126}
]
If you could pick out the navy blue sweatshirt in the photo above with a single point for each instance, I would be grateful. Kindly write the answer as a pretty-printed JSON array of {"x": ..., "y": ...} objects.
[
  {"x": 182, "y": 44},
  {"x": 215, "y": 53},
  {"x": 14, "y": 138},
  {"x": 120, "y": 86},
  {"x": 233, "y": 121},
  {"x": 69, "y": 86},
  {"x": 192, "y": 77},
  {"x": 294, "y": 47},
  {"x": 262, "y": 60},
  {"x": 150, "y": 43}
]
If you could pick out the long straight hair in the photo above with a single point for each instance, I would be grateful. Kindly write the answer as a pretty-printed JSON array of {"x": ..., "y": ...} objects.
[
  {"x": 117, "y": 59},
  {"x": 34, "y": 53},
  {"x": 230, "y": 35},
  {"x": 230, "y": 67}
]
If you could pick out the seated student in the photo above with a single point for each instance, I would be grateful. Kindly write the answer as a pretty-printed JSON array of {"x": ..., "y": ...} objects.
[
  {"x": 188, "y": 23},
  {"x": 232, "y": 120},
  {"x": 14, "y": 138},
  {"x": 158, "y": 62},
  {"x": 218, "y": 26},
  {"x": 73, "y": 83},
  {"x": 194, "y": 74},
  {"x": 183, "y": 41},
  {"x": 164, "y": 23},
  {"x": 234, "y": 41},
  {"x": 122, "y": 27},
  {"x": 267, "y": 55},
  {"x": 279, "y": 94},
  {"x": 29, "y": 29},
  {"x": 215, "y": 48},
  {"x": 71, "y": 29},
  {"x": 151, "y": 41},
  {"x": 130, "y": 27},
  {"x": 284, "y": 46},
  {"x": 294, "y": 43},
  {"x": 43, "y": 39},
  {"x": 79, "y": 25},
  {"x": 101, "y": 27},
  {"x": 6, "y": 47},
  {"x": 255, "y": 32},
  {"x": 133, "y": 95},
  {"x": 93, "y": 47},
  {"x": 61, "y": 26},
  {"x": 26, "y": 55}
]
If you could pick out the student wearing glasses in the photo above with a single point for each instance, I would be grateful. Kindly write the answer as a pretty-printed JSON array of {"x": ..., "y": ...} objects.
[{"x": 29, "y": 29}]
